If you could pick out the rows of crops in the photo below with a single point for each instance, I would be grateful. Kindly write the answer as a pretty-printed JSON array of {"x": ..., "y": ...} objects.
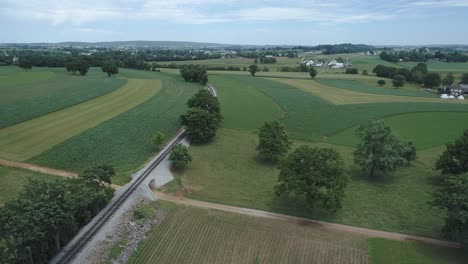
[
  {"x": 125, "y": 140},
  {"x": 27, "y": 95},
  {"x": 191, "y": 235},
  {"x": 310, "y": 117}
]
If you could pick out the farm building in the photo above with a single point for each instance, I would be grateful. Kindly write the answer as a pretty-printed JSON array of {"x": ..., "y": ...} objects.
[{"x": 456, "y": 90}]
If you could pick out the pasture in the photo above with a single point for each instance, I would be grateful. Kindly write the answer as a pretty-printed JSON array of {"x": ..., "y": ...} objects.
[
  {"x": 26, "y": 95},
  {"x": 24, "y": 140},
  {"x": 12, "y": 181},
  {"x": 192, "y": 235},
  {"x": 124, "y": 141},
  {"x": 383, "y": 251}
]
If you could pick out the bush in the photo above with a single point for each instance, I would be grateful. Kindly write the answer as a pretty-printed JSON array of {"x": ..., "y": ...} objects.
[
  {"x": 180, "y": 156},
  {"x": 381, "y": 82},
  {"x": 352, "y": 71}
]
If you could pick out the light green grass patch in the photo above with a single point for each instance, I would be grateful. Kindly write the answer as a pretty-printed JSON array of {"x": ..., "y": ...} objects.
[
  {"x": 27, "y": 139},
  {"x": 12, "y": 181},
  {"x": 228, "y": 171},
  {"x": 29, "y": 94},
  {"x": 382, "y": 251},
  {"x": 426, "y": 130}
]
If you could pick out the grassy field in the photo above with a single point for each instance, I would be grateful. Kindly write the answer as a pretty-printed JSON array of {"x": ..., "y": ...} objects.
[
  {"x": 383, "y": 251},
  {"x": 13, "y": 180},
  {"x": 191, "y": 235},
  {"x": 30, "y": 94},
  {"x": 27, "y": 139},
  {"x": 426, "y": 130},
  {"x": 310, "y": 117},
  {"x": 443, "y": 67},
  {"x": 228, "y": 171},
  {"x": 124, "y": 141}
]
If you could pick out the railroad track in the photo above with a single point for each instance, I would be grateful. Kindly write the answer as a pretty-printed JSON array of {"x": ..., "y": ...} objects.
[{"x": 69, "y": 255}]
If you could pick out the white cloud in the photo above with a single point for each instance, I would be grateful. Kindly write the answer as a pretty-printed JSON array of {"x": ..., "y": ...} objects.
[{"x": 441, "y": 3}]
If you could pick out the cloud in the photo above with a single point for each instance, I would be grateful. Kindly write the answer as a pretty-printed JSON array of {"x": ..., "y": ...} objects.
[{"x": 442, "y": 3}]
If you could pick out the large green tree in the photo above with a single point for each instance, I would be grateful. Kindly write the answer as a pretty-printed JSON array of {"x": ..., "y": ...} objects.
[
  {"x": 25, "y": 64},
  {"x": 432, "y": 79},
  {"x": 253, "y": 69},
  {"x": 273, "y": 142},
  {"x": 110, "y": 68},
  {"x": 452, "y": 196},
  {"x": 180, "y": 156},
  {"x": 204, "y": 100},
  {"x": 398, "y": 81},
  {"x": 454, "y": 160},
  {"x": 381, "y": 151},
  {"x": 313, "y": 72},
  {"x": 158, "y": 140},
  {"x": 316, "y": 173},
  {"x": 200, "y": 124},
  {"x": 449, "y": 79}
]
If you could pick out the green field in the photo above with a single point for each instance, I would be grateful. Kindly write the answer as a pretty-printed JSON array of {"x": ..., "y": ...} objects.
[
  {"x": 30, "y": 94},
  {"x": 124, "y": 141},
  {"x": 426, "y": 130},
  {"x": 27, "y": 139},
  {"x": 191, "y": 235},
  {"x": 383, "y": 251},
  {"x": 13, "y": 180}
]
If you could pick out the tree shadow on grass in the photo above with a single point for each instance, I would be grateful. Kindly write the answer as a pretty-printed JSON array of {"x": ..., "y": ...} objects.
[
  {"x": 297, "y": 206},
  {"x": 357, "y": 174}
]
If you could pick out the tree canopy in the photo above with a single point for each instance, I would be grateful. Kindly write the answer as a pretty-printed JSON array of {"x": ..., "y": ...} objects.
[
  {"x": 381, "y": 151},
  {"x": 110, "y": 68},
  {"x": 464, "y": 79},
  {"x": 316, "y": 173},
  {"x": 273, "y": 142},
  {"x": 253, "y": 69},
  {"x": 398, "y": 81},
  {"x": 454, "y": 160},
  {"x": 25, "y": 64},
  {"x": 158, "y": 140},
  {"x": 200, "y": 125},
  {"x": 194, "y": 73},
  {"x": 432, "y": 79},
  {"x": 180, "y": 156},
  {"x": 204, "y": 100},
  {"x": 449, "y": 79},
  {"x": 452, "y": 196},
  {"x": 313, "y": 72},
  {"x": 77, "y": 64}
]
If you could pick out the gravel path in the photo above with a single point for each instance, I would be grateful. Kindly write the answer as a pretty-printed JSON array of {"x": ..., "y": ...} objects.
[
  {"x": 32, "y": 167},
  {"x": 299, "y": 220}
]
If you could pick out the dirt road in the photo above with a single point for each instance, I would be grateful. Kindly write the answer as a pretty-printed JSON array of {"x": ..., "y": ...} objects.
[
  {"x": 300, "y": 220},
  {"x": 37, "y": 168}
]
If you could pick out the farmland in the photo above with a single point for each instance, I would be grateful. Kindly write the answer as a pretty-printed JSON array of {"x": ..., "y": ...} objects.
[
  {"x": 188, "y": 235},
  {"x": 27, "y": 139},
  {"x": 124, "y": 140},
  {"x": 26, "y": 95},
  {"x": 228, "y": 169}
]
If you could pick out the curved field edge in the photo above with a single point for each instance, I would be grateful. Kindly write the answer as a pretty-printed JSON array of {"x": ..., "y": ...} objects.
[
  {"x": 125, "y": 140},
  {"x": 309, "y": 117},
  {"x": 27, "y": 139},
  {"x": 425, "y": 129},
  {"x": 28, "y": 95},
  {"x": 195, "y": 235}
]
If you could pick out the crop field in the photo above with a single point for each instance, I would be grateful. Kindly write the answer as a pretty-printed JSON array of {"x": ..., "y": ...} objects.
[
  {"x": 442, "y": 67},
  {"x": 383, "y": 251},
  {"x": 310, "y": 117},
  {"x": 26, "y": 95},
  {"x": 124, "y": 141},
  {"x": 12, "y": 181},
  {"x": 192, "y": 235},
  {"x": 24, "y": 140},
  {"x": 239, "y": 62},
  {"x": 426, "y": 129}
]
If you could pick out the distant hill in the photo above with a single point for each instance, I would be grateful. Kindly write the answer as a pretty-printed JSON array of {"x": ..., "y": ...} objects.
[{"x": 129, "y": 44}]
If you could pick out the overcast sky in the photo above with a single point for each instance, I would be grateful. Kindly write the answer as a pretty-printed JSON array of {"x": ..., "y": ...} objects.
[{"x": 293, "y": 22}]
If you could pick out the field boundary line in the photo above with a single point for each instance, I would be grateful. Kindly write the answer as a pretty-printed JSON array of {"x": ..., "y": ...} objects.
[
  {"x": 37, "y": 168},
  {"x": 300, "y": 220}
]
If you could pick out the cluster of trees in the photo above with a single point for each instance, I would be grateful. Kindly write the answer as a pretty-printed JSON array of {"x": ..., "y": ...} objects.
[
  {"x": 316, "y": 173},
  {"x": 110, "y": 68},
  {"x": 418, "y": 74},
  {"x": 203, "y": 118},
  {"x": 344, "y": 48},
  {"x": 47, "y": 214},
  {"x": 180, "y": 156},
  {"x": 352, "y": 71},
  {"x": 451, "y": 194},
  {"x": 421, "y": 55},
  {"x": 301, "y": 68},
  {"x": 265, "y": 60},
  {"x": 194, "y": 73},
  {"x": 77, "y": 64}
]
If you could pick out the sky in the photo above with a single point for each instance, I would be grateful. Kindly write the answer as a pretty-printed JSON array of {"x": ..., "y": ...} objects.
[{"x": 274, "y": 22}]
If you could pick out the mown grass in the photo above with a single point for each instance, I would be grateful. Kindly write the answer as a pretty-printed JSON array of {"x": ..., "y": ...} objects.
[
  {"x": 193, "y": 235},
  {"x": 27, "y": 139},
  {"x": 228, "y": 171},
  {"x": 382, "y": 251},
  {"x": 426, "y": 130},
  {"x": 12, "y": 181},
  {"x": 125, "y": 140},
  {"x": 26, "y": 95}
]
